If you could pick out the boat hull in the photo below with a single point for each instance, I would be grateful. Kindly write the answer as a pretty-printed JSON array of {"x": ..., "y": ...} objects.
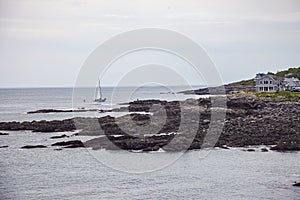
[{"x": 100, "y": 100}]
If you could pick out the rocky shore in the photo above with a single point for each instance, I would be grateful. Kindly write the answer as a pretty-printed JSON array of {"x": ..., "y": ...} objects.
[
  {"x": 63, "y": 111},
  {"x": 226, "y": 89},
  {"x": 249, "y": 120}
]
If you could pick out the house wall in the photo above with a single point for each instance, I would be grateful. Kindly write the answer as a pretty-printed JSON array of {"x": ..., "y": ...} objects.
[{"x": 266, "y": 84}]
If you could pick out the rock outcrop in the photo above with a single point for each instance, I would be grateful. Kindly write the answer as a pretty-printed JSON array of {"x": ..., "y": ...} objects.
[
  {"x": 59, "y": 136},
  {"x": 65, "y": 111},
  {"x": 69, "y": 144},
  {"x": 226, "y": 89},
  {"x": 249, "y": 121},
  {"x": 33, "y": 146},
  {"x": 40, "y": 126},
  {"x": 296, "y": 184}
]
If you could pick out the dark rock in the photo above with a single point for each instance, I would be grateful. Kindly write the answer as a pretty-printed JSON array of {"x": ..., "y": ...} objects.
[
  {"x": 250, "y": 150},
  {"x": 264, "y": 150},
  {"x": 1, "y": 133},
  {"x": 69, "y": 144},
  {"x": 5, "y": 146},
  {"x": 154, "y": 148},
  {"x": 297, "y": 184},
  {"x": 290, "y": 143},
  {"x": 48, "y": 111},
  {"x": 249, "y": 121},
  {"x": 59, "y": 136},
  {"x": 63, "y": 111},
  {"x": 33, "y": 146},
  {"x": 79, "y": 145},
  {"x": 40, "y": 126}
]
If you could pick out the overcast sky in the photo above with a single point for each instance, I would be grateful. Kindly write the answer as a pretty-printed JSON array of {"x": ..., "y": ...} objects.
[{"x": 43, "y": 43}]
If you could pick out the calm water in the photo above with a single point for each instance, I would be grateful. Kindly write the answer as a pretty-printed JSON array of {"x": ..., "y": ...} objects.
[
  {"x": 15, "y": 103},
  {"x": 76, "y": 174}
]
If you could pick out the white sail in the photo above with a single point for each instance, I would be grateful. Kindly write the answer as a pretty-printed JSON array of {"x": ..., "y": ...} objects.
[{"x": 99, "y": 94}]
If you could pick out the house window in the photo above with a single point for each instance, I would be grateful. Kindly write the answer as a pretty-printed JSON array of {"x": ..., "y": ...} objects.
[
  {"x": 266, "y": 82},
  {"x": 261, "y": 89},
  {"x": 260, "y": 82},
  {"x": 271, "y": 88},
  {"x": 271, "y": 82},
  {"x": 266, "y": 89}
]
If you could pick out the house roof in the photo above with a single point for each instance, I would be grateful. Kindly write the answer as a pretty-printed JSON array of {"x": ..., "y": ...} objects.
[
  {"x": 292, "y": 81},
  {"x": 275, "y": 78}
]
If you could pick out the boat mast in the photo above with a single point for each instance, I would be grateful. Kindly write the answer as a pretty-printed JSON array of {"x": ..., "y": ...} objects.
[{"x": 100, "y": 92}]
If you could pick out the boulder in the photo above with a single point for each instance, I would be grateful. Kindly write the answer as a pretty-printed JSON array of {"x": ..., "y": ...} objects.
[
  {"x": 251, "y": 150},
  {"x": 264, "y": 150}
]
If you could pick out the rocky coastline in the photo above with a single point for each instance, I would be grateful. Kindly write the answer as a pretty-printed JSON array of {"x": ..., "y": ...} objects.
[
  {"x": 249, "y": 120},
  {"x": 226, "y": 89}
]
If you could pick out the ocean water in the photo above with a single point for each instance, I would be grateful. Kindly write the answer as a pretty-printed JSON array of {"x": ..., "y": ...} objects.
[
  {"x": 15, "y": 103},
  {"x": 76, "y": 174}
]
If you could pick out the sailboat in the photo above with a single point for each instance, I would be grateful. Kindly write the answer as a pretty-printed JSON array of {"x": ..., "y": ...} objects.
[{"x": 99, "y": 94}]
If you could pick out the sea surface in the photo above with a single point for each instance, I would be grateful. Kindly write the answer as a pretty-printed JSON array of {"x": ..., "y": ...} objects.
[
  {"x": 77, "y": 174},
  {"x": 15, "y": 103}
]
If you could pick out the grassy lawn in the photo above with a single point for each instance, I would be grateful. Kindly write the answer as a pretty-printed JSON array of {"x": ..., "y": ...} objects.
[{"x": 287, "y": 95}]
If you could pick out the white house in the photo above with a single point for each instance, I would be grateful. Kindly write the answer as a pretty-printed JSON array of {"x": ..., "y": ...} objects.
[
  {"x": 268, "y": 83},
  {"x": 271, "y": 83},
  {"x": 291, "y": 83}
]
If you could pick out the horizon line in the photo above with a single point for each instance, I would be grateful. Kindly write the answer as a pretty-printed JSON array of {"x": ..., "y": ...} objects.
[{"x": 105, "y": 86}]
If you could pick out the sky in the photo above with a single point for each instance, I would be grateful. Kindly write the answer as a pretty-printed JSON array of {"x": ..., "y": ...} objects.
[{"x": 44, "y": 43}]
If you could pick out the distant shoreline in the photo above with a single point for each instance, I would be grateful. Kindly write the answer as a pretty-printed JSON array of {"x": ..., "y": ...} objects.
[{"x": 93, "y": 87}]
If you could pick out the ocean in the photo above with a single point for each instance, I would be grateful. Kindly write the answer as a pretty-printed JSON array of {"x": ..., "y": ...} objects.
[
  {"x": 76, "y": 174},
  {"x": 15, "y": 103}
]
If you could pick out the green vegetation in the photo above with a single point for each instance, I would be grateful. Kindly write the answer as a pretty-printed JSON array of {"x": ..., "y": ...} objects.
[
  {"x": 249, "y": 82},
  {"x": 282, "y": 95},
  {"x": 291, "y": 72}
]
